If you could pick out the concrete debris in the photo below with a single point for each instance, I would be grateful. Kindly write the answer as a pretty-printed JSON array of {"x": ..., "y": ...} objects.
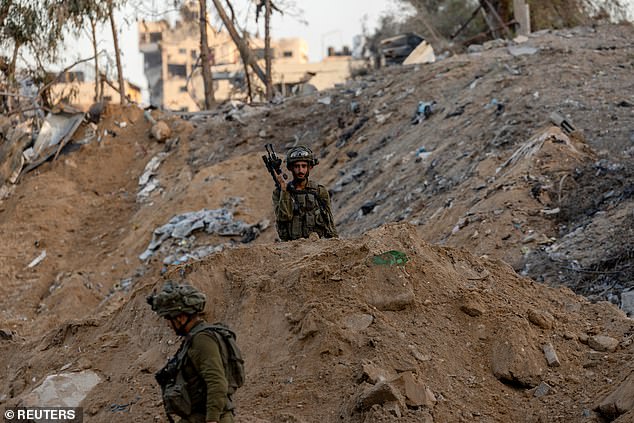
[
  {"x": 423, "y": 53},
  {"x": 325, "y": 100},
  {"x": 603, "y": 343},
  {"x": 620, "y": 401},
  {"x": 56, "y": 132},
  {"x": 395, "y": 50},
  {"x": 627, "y": 303},
  {"x": 348, "y": 177},
  {"x": 379, "y": 394},
  {"x": 551, "y": 355},
  {"x": 37, "y": 260},
  {"x": 416, "y": 394},
  {"x": 147, "y": 181},
  {"x": 62, "y": 390},
  {"x": 217, "y": 221},
  {"x": 475, "y": 48},
  {"x": 542, "y": 390}
]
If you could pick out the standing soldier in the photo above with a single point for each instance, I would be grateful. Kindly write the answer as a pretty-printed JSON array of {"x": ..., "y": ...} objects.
[
  {"x": 302, "y": 206},
  {"x": 194, "y": 383}
]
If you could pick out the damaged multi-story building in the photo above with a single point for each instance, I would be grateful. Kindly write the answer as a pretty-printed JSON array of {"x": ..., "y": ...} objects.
[{"x": 172, "y": 64}]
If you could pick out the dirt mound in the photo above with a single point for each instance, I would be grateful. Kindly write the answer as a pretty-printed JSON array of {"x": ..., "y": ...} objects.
[{"x": 332, "y": 331}]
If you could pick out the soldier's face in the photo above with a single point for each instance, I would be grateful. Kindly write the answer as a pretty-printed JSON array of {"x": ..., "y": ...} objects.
[{"x": 300, "y": 170}]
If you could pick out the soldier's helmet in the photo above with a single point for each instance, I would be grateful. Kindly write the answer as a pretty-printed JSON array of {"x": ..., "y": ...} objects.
[
  {"x": 301, "y": 153},
  {"x": 174, "y": 299}
]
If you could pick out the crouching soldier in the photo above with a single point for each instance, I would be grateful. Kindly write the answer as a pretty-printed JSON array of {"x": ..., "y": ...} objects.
[{"x": 198, "y": 382}]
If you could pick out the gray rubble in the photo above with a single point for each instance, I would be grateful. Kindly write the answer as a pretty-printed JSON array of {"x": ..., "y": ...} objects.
[{"x": 180, "y": 228}]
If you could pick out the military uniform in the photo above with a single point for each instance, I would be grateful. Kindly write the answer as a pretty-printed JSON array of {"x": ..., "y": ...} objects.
[
  {"x": 300, "y": 212},
  {"x": 206, "y": 382}
]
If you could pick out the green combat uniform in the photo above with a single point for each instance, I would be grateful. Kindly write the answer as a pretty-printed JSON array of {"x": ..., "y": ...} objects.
[
  {"x": 198, "y": 381},
  {"x": 206, "y": 382},
  {"x": 300, "y": 212}
]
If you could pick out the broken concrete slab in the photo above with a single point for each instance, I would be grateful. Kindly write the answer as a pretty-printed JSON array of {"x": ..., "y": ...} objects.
[
  {"x": 62, "y": 390},
  {"x": 514, "y": 360},
  {"x": 423, "y": 53},
  {"x": 551, "y": 355},
  {"x": 603, "y": 343},
  {"x": 56, "y": 132},
  {"x": 542, "y": 390},
  {"x": 627, "y": 303},
  {"x": 620, "y": 401},
  {"x": 522, "y": 50},
  {"x": 216, "y": 221}
]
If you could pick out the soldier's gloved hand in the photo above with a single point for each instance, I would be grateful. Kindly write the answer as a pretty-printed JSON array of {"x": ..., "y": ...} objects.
[{"x": 281, "y": 181}]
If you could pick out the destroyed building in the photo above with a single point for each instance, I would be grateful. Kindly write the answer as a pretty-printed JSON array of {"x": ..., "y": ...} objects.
[{"x": 172, "y": 64}]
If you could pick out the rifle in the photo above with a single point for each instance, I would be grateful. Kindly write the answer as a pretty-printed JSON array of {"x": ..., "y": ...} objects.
[{"x": 273, "y": 164}]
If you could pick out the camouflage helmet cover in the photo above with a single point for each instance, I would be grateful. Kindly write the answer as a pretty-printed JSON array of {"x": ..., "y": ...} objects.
[
  {"x": 300, "y": 153},
  {"x": 174, "y": 299}
]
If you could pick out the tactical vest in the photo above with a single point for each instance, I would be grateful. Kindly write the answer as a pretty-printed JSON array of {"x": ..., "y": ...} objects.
[{"x": 307, "y": 214}]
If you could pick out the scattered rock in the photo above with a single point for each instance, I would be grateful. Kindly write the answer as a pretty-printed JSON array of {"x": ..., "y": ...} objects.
[
  {"x": 416, "y": 394},
  {"x": 620, "y": 401},
  {"x": 375, "y": 374},
  {"x": 160, "y": 131},
  {"x": 541, "y": 390},
  {"x": 6, "y": 335},
  {"x": 358, "y": 322},
  {"x": 381, "y": 393},
  {"x": 551, "y": 355},
  {"x": 472, "y": 306},
  {"x": 522, "y": 50},
  {"x": 603, "y": 343},
  {"x": 513, "y": 360},
  {"x": 542, "y": 319}
]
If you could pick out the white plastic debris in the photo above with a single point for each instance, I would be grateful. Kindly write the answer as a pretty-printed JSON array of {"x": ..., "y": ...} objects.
[{"x": 37, "y": 260}]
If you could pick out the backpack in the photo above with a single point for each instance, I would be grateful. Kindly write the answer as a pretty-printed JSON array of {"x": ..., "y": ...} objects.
[
  {"x": 173, "y": 387},
  {"x": 229, "y": 351}
]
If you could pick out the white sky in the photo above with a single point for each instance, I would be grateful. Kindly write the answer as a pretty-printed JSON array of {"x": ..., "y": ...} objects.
[
  {"x": 323, "y": 23},
  {"x": 327, "y": 23}
]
